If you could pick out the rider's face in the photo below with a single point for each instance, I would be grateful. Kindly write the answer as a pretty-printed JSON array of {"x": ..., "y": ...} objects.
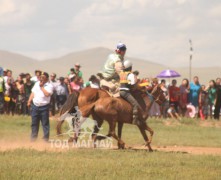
[{"x": 122, "y": 53}]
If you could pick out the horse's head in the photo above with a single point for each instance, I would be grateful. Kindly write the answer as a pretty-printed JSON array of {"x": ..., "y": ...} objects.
[{"x": 158, "y": 95}]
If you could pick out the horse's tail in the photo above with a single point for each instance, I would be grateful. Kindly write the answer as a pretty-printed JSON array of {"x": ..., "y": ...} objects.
[
  {"x": 68, "y": 107},
  {"x": 70, "y": 104}
]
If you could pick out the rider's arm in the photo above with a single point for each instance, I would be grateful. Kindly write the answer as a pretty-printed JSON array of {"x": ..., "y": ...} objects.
[
  {"x": 132, "y": 79},
  {"x": 118, "y": 67}
]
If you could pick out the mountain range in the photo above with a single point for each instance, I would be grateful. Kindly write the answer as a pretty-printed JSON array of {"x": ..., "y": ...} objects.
[{"x": 92, "y": 61}]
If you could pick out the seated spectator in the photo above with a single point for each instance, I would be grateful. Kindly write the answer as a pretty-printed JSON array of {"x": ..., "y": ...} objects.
[{"x": 172, "y": 112}]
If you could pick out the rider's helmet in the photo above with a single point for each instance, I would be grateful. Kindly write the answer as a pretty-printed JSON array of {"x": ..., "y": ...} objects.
[
  {"x": 121, "y": 47},
  {"x": 127, "y": 65}
]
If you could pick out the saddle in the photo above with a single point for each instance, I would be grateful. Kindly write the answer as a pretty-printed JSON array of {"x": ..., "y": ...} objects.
[{"x": 111, "y": 87}]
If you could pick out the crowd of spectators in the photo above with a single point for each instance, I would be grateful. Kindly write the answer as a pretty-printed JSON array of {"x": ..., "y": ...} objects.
[
  {"x": 190, "y": 99},
  {"x": 205, "y": 99},
  {"x": 14, "y": 93}
]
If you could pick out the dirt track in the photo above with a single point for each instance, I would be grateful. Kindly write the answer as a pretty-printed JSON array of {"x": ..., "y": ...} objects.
[{"x": 42, "y": 146}]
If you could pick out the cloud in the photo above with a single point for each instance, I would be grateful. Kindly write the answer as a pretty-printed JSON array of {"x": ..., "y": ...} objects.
[
  {"x": 215, "y": 11},
  {"x": 155, "y": 30},
  {"x": 186, "y": 23},
  {"x": 13, "y": 12}
]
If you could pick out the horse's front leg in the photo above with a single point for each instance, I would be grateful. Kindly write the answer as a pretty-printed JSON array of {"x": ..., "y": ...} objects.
[
  {"x": 150, "y": 131},
  {"x": 143, "y": 132}
]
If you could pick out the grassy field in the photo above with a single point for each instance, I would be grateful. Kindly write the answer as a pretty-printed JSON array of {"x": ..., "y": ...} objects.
[{"x": 113, "y": 164}]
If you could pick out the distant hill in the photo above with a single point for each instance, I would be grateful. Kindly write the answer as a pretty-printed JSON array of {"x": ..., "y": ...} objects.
[
  {"x": 16, "y": 62},
  {"x": 92, "y": 61}
]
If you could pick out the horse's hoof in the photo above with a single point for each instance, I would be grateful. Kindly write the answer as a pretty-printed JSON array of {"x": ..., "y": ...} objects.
[
  {"x": 150, "y": 150},
  {"x": 121, "y": 146}
]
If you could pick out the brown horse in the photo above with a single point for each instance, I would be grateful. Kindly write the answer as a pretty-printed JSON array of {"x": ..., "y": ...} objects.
[{"x": 101, "y": 106}]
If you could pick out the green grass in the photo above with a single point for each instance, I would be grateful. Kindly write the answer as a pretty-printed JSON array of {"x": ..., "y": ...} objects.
[
  {"x": 113, "y": 164},
  {"x": 107, "y": 164},
  {"x": 188, "y": 133}
]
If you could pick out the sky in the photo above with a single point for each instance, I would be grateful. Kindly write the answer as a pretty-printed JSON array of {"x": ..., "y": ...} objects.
[{"x": 154, "y": 30}]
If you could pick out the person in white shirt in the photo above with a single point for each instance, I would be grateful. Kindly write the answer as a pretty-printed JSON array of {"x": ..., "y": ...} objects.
[
  {"x": 36, "y": 78},
  {"x": 40, "y": 99},
  {"x": 61, "y": 91},
  {"x": 54, "y": 83}
]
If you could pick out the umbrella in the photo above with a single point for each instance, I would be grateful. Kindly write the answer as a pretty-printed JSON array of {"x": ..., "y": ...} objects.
[{"x": 168, "y": 74}]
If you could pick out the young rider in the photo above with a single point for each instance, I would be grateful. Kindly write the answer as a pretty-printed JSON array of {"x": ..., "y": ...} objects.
[{"x": 127, "y": 81}]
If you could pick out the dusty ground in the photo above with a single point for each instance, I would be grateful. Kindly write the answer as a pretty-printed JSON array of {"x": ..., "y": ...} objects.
[{"x": 42, "y": 146}]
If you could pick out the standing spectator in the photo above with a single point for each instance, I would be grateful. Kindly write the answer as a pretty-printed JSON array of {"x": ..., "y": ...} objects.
[
  {"x": 68, "y": 86},
  {"x": 155, "y": 108},
  {"x": 203, "y": 102},
  {"x": 28, "y": 87},
  {"x": 71, "y": 74},
  {"x": 78, "y": 73},
  {"x": 8, "y": 89},
  {"x": 5, "y": 72},
  {"x": 212, "y": 96},
  {"x": 2, "y": 90},
  {"x": 165, "y": 106},
  {"x": 75, "y": 86},
  {"x": 174, "y": 93},
  {"x": 8, "y": 75},
  {"x": 14, "y": 98},
  {"x": 37, "y": 76},
  {"x": 184, "y": 90},
  {"x": 53, "y": 97},
  {"x": 41, "y": 95},
  {"x": 21, "y": 104},
  {"x": 218, "y": 99},
  {"x": 194, "y": 93},
  {"x": 93, "y": 82},
  {"x": 136, "y": 75},
  {"x": 61, "y": 92}
]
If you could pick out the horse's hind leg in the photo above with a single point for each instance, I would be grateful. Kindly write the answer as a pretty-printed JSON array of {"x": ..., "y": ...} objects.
[
  {"x": 112, "y": 126},
  {"x": 143, "y": 132},
  {"x": 96, "y": 127},
  {"x": 150, "y": 131},
  {"x": 120, "y": 127}
]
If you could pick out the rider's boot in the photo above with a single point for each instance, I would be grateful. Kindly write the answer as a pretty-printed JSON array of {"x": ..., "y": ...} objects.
[{"x": 135, "y": 116}]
